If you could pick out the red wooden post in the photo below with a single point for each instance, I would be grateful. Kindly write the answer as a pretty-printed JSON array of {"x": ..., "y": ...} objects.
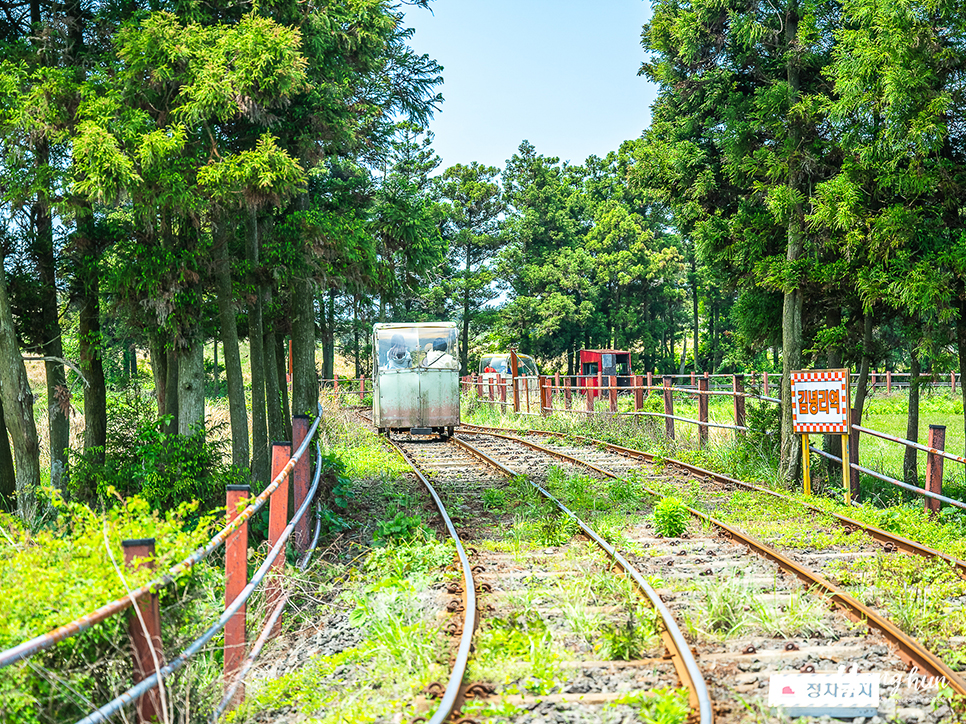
[
  {"x": 362, "y": 388},
  {"x": 764, "y": 383},
  {"x": 692, "y": 378},
  {"x": 501, "y": 386},
  {"x": 702, "y": 410},
  {"x": 613, "y": 394},
  {"x": 873, "y": 380},
  {"x": 514, "y": 371},
  {"x": 738, "y": 387},
  {"x": 638, "y": 393},
  {"x": 543, "y": 385},
  {"x": 668, "y": 408},
  {"x": 479, "y": 384},
  {"x": 888, "y": 382},
  {"x": 277, "y": 520},
  {"x": 650, "y": 381},
  {"x": 934, "y": 466},
  {"x": 236, "y": 578},
  {"x": 491, "y": 390},
  {"x": 335, "y": 382},
  {"x": 589, "y": 393},
  {"x": 146, "y": 636},
  {"x": 600, "y": 383},
  {"x": 301, "y": 474},
  {"x": 556, "y": 381},
  {"x": 567, "y": 393}
]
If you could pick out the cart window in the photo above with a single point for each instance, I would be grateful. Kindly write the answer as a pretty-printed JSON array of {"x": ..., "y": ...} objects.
[
  {"x": 623, "y": 364},
  {"x": 527, "y": 367},
  {"x": 409, "y": 347},
  {"x": 590, "y": 368}
]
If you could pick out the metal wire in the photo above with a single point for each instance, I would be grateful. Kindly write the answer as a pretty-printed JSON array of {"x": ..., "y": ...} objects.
[
  {"x": 47, "y": 640},
  {"x": 140, "y": 689},
  {"x": 276, "y": 614},
  {"x": 893, "y": 481}
]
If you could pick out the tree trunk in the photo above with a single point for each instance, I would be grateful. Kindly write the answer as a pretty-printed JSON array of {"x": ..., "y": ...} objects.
[
  {"x": 305, "y": 381},
  {"x": 191, "y": 389},
  {"x": 18, "y": 411},
  {"x": 282, "y": 367},
  {"x": 159, "y": 368},
  {"x": 833, "y": 443},
  {"x": 171, "y": 391},
  {"x": 465, "y": 340},
  {"x": 52, "y": 345},
  {"x": 328, "y": 337},
  {"x": 910, "y": 466},
  {"x": 961, "y": 341},
  {"x": 694, "y": 310},
  {"x": 862, "y": 387},
  {"x": 791, "y": 445},
  {"x": 273, "y": 396},
  {"x": 8, "y": 478},
  {"x": 237, "y": 407},
  {"x": 91, "y": 355},
  {"x": 260, "y": 461}
]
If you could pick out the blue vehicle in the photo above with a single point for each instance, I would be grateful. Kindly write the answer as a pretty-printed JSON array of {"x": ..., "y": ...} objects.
[{"x": 416, "y": 378}]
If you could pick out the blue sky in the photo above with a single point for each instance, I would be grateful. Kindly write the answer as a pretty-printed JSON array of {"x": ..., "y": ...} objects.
[{"x": 561, "y": 74}]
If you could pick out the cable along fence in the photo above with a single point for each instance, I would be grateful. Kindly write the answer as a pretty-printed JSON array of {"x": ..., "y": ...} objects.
[
  {"x": 580, "y": 394},
  {"x": 150, "y": 666}
]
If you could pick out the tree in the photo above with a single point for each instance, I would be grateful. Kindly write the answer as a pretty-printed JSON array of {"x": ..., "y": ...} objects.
[{"x": 473, "y": 205}]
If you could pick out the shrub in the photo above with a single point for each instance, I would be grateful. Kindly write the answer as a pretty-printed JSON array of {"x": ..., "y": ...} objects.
[
  {"x": 57, "y": 574},
  {"x": 142, "y": 459},
  {"x": 671, "y": 518}
]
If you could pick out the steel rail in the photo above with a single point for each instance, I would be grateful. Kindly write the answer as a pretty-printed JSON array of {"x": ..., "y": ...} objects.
[
  {"x": 910, "y": 649},
  {"x": 890, "y": 540},
  {"x": 104, "y": 713},
  {"x": 681, "y": 654},
  {"x": 49, "y": 639},
  {"x": 451, "y": 693},
  {"x": 276, "y": 614}
]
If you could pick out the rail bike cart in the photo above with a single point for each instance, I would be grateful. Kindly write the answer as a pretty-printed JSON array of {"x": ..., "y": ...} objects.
[
  {"x": 608, "y": 363},
  {"x": 416, "y": 385},
  {"x": 492, "y": 365}
]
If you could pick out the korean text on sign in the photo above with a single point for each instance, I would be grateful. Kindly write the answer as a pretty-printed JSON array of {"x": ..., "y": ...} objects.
[{"x": 820, "y": 401}]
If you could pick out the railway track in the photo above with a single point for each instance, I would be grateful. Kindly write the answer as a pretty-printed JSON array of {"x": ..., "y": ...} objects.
[
  {"x": 711, "y": 581},
  {"x": 843, "y": 550}
]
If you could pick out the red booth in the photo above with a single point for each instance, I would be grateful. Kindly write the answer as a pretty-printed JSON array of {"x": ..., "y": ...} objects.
[{"x": 609, "y": 363}]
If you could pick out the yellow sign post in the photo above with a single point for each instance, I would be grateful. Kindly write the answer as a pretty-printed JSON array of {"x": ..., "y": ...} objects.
[{"x": 820, "y": 404}]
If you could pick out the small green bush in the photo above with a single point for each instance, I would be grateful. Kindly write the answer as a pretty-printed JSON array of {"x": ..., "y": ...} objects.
[
  {"x": 671, "y": 518},
  {"x": 142, "y": 459}
]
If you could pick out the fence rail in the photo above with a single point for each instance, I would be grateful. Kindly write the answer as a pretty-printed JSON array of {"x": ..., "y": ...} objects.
[{"x": 146, "y": 627}]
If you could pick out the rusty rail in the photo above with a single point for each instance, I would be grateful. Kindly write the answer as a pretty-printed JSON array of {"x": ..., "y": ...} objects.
[
  {"x": 890, "y": 540},
  {"x": 910, "y": 649},
  {"x": 681, "y": 654},
  {"x": 450, "y": 695}
]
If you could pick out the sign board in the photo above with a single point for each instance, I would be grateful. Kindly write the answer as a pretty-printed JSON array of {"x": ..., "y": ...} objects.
[
  {"x": 843, "y": 695},
  {"x": 820, "y": 401}
]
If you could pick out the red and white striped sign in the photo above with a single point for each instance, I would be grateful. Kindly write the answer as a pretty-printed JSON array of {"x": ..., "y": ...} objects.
[{"x": 820, "y": 401}]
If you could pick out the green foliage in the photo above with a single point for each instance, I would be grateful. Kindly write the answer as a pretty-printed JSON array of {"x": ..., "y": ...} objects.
[
  {"x": 671, "y": 518},
  {"x": 659, "y": 706},
  {"x": 141, "y": 459},
  {"x": 402, "y": 528},
  {"x": 51, "y": 577},
  {"x": 630, "y": 639},
  {"x": 494, "y": 498}
]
